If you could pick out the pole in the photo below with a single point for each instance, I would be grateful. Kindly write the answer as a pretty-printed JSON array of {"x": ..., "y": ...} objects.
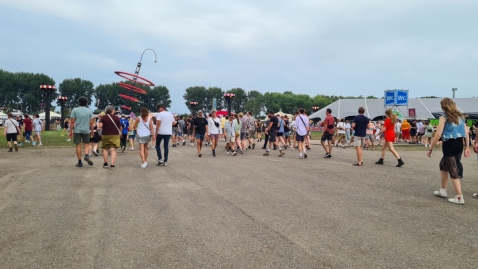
[
  {"x": 47, "y": 112},
  {"x": 454, "y": 90},
  {"x": 229, "y": 107},
  {"x": 62, "y": 114}
]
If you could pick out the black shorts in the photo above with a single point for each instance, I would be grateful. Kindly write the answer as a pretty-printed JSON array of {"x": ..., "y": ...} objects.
[
  {"x": 327, "y": 136},
  {"x": 280, "y": 134},
  {"x": 299, "y": 138},
  {"x": 12, "y": 137},
  {"x": 272, "y": 136}
]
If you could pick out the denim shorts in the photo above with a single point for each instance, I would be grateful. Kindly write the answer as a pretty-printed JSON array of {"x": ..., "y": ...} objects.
[{"x": 200, "y": 136}]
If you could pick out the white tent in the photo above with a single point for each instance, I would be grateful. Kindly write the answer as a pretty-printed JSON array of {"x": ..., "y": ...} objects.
[
  {"x": 52, "y": 115},
  {"x": 2, "y": 115},
  {"x": 425, "y": 108}
]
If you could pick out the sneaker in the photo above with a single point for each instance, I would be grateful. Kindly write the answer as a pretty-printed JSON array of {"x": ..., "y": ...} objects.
[
  {"x": 16, "y": 147},
  {"x": 184, "y": 143},
  {"x": 300, "y": 157},
  {"x": 123, "y": 149},
  {"x": 34, "y": 144},
  {"x": 234, "y": 153},
  {"x": 11, "y": 150},
  {"x": 160, "y": 162},
  {"x": 177, "y": 143},
  {"x": 266, "y": 153},
  {"x": 475, "y": 195},
  {"x": 227, "y": 153},
  {"x": 327, "y": 155},
  {"x": 440, "y": 193},
  {"x": 165, "y": 163},
  {"x": 242, "y": 152},
  {"x": 40, "y": 144},
  {"x": 105, "y": 165},
  {"x": 281, "y": 153},
  {"x": 132, "y": 149},
  {"x": 143, "y": 165},
  {"x": 66, "y": 140},
  {"x": 457, "y": 200},
  {"x": 253, "y": 145},
  {"x": 88, "y": 160},
  {"x": 112, "y": 167},
  {"x": 20, "y": 145},
  {"x": 96, "y": 153},
  {"x": 214, "y": 153},
  {"x": 79, "y": 164},
  {"x": 305, "y": 155}
]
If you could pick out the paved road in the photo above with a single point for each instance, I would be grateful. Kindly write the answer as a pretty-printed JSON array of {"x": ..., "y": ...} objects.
[{"x": 246, "y": 211}]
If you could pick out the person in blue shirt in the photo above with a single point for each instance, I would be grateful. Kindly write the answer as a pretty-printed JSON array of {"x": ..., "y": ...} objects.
[
  {"x": 280, "y": 133},
  {"x": 125, "y": 123}
]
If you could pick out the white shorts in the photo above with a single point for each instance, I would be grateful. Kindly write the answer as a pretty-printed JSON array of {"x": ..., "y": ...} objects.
[
  {"x": 359, "y": 141},
  {"x": 230, "y": 139}
]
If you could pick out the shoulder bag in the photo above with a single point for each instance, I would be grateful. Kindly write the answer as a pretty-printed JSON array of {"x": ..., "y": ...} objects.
[{"x": 114, "y": 124}]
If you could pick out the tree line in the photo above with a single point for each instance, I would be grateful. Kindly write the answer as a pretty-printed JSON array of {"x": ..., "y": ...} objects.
[
  {"x": 257, "y": 102},
  {"x": 22, "y": 91}
]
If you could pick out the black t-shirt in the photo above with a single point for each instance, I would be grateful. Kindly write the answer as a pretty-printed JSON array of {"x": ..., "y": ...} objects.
[
  {"x": 200, "y": 125},
  {"x": 286, "y": 126},
  {"x": 20, "y": 123},
  {"x": 275, "y": 124},
  {"x": 360, "y": 125},
  {"x": 190, "y": 124}
]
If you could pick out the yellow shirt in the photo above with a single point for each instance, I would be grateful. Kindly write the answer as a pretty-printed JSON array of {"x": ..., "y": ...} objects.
[{"x": 223, "y": 121}]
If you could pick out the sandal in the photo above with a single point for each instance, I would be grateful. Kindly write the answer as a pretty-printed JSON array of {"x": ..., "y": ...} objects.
[{"x": 357, "y": 164}]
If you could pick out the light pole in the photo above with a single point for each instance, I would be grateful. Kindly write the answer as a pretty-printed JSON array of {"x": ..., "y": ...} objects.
[
  {"x": 47, "y": 91},
  {"x": 454, "y": 90},
  {"x": 62, "y": 100},
  {"x": 315, "y": 108},
  {"x": 193, "y": 105},
  {"x": 41, "y": 107},
  {"x": 229, "y": 97}
]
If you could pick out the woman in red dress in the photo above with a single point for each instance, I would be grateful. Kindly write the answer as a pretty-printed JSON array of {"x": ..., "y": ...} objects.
[{"x": 389, "y": 131}]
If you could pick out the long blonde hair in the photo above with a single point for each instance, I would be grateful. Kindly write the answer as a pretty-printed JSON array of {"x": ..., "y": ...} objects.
[
  {"x": 391, "y": 115},
  {"x": 452, "y": 113}
]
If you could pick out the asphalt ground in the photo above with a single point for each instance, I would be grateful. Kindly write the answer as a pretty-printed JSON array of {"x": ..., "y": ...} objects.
[{"x": 247, "y": 211}]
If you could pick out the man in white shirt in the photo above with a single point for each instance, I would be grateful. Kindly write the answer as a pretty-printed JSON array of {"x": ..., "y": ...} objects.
[
  {"x": 164, "y": 130},
  {"x": 348, "y": 129},
  {"x": 214, "y": 130},
  {"x": 10, "y": 131},
  {"x": 302, "y": 128},
  {"x": 398, "y": 130},
  {"x": 341, "y": 133}
]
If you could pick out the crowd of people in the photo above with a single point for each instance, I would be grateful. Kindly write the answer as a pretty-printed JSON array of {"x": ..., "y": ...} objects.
[{"x": 241, "y": 132}]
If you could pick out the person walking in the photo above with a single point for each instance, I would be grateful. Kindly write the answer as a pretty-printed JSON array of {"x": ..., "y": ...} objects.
[
  {"x": 328, "y": 134},
  {"x": 144, "y": 127},
  {"x": 398, "y": 133},
  {"x": 238, "y": 129},
  {"x": 182, "y": 130},
  {"x": 164, "y": 130},
  {"x": 132, "y": 135},
  {"x": 251, "y": 129},
  {"x": 272, "y": 130},
  {"x": 27, "y": 128},
  {"x": 452, "y": 131},
  {"x": 200, "y": 128},
  {"x": 359, "y": 126},
  {"x": 341, "y": 133},
  {"x": 11, "y": 131},
  {"x": 230, "y": 130},
  {"x": 388, "y": 129},
  {"x": 38, "y": 126},
  {"x": 302, "y": 129},
  {"x": 95, "y": 140},
  {"x": 214, "y": 131},
  {"x": 124, "y": 127},
  {"x": 111, "y": 133},
  {"x": 81, "y": 129},
  {"x": 406, "y": 131}
]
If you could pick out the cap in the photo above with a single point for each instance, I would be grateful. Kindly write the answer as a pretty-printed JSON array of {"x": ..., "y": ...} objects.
[
  {"x": 123, "y": 115},
  {"x": 200, "y": 111}
]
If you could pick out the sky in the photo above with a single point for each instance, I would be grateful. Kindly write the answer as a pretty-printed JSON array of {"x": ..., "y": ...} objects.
[{"x": 340, "y": 47}]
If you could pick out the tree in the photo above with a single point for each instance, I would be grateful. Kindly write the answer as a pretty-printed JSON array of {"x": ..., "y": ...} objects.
[
  {"x": 214, "y": 92},
  {"x": 196, "y": 94},
  {"x": 255, "y": 103},
  {"x": 239, "y": 101},
  {"x": 157, "y": 95},
  {"x": 75, "y": 88}
]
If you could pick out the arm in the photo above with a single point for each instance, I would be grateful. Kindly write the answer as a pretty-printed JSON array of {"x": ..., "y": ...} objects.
[
  {"x": 467, "y": 142},
  {"x": 72, "y": 125},
  {"x": 92, "y": 125},
  {"x": 269, "y": 127},
  {"x": 151, "y": 127},
  {"x": 438, "y": 134}
]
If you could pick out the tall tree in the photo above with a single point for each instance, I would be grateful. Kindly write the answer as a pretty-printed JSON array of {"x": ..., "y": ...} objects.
[
  {"x": 157, "y": 95},
  {"x": 75, "y": 88},
  {"x": 196, "y": 94},
  {"x": 255, "y": 103},
  {"x": 215, "y": 92}
]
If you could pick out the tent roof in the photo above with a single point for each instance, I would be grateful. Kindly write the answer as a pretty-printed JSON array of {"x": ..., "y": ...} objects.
[
  {"x": 425, "y": 108},
  {"x": 52, "y": 114}
]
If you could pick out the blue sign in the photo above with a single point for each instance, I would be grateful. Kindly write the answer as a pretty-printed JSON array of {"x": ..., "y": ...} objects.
[
  {"x": 402, "y": 98},
  {"x": 214, "y": 104},
  {"x": 389, "y": 98}
]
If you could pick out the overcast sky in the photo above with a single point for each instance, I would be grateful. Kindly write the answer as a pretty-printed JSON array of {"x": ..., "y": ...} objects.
[{"x": 346, "y": 47}]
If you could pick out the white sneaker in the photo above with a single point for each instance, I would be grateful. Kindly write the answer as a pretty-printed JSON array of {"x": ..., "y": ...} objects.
[
  {"x": 68, "y": 140},
  {"x": 440, "y": 193},
  {"x": 40, "y": 144},
  {"x": 143, "y": 165},
  {"x": 227, "y": 152},
  {"x": 457, "y": 200}
]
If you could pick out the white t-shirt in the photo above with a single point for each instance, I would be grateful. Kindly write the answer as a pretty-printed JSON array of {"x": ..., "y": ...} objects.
[
  {"x": 37, "y": 125},
  {"x": 398, "y": 126},
  {"x": 166, "y": 119},
  {"x": 11, "y": 126},
  {"x": 347, "y": 126},
  {"x": 212, "y": 127},
  {"x": 341, "y": 125}
]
